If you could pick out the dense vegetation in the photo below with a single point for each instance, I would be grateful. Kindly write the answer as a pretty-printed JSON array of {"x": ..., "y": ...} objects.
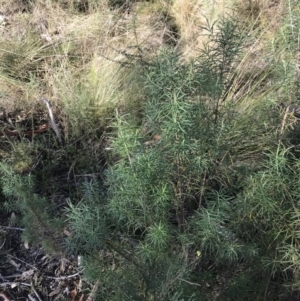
[{"x": 176, "y": 175}]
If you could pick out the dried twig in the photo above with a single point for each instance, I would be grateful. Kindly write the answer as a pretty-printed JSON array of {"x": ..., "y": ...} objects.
[
  {"x": 12, "y": 276},
  {"x": 22, "y": 276},
  {"x": 92, "y": 295},
  {"x": 283, "y": 123},
  {"x": 11, "y": 256},
  {"x": 63, "y": 277},
  {"x": 4, "y": 241},
  {"x": 31, "y": 298},
  {"x": 11, "y": 228},
  {"x": 36, "y": 293},
  {"x": 53, "y": 124},
  {"x": 4, "y": 284},
  {"x": 191, "y": 283}
]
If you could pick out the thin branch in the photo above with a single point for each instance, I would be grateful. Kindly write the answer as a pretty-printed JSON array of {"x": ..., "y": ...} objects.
[
  {"x": 53, "y": 124},
  {"x": 35, "y": 292},
  {"x": 63, "y": 277},
  {"x": 92, "y": 295},
  {"x": 283, "y": 123},
  {"x": 11, "y": 256},
  {"x": 191, "y": 283},
  {"x": 31, "y": 298},
  {"x": 14, "y": 283},
  {"x": 11, "y": 228},
  {"x": 12, "y": 276},
  {"x": 4, "y": 241}
]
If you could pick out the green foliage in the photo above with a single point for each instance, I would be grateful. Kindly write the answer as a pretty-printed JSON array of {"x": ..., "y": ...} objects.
[
  {"x": 171, "y": 205},
  {"x": 167, "y": 167},
  {"x": 219, "y": 58},
  {"x": 197, "y": 202},
  {"x": 39, "y": 217},
  {"x": 257, "y": 231},
  {"x": 88, "y": 226},
  {"x": 268, "y": 213},
  {"x": 23, "y": 59}
]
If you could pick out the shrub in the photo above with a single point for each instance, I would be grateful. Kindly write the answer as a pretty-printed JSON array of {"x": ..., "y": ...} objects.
[{"x": 170, "y": 166}]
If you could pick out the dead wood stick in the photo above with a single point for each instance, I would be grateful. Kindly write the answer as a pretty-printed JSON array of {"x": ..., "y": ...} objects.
[
  {"x": 63, "y": 277},
  {"x": 53, "y": 124}
]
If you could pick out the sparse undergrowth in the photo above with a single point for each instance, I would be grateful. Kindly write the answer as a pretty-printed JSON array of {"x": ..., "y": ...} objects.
[{"x": 173, "y": 171}]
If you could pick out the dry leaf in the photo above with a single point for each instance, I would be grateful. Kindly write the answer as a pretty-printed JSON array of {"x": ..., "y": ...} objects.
[
  {"x": 79, "y": 260},
  {"x": 26, "y": 245},
  {"x": 55, "y": 292},
  {"x": 46, "y": 37},
  {"x": 155, "y": 139},
  {"x": 72, "y": 294},
  {"x": 4, "y": 297},
  {"x": 12, "y": 216},
  {"x": 79, "y": 285},
  {"x": 14, "y": 263},
  {"x": 113, "y": 266},
  {"x": 67, "y": 233},
  {"x": 81, "y": 297},
  {"x": 2, "y": 239},
  {"x": 62, "y": 265},
  {"x": 66, "y": 291},
  {"x": 35, "y": 278},
  {"x": 27, "y": 274},
  {"x": 91, "y": 297}
]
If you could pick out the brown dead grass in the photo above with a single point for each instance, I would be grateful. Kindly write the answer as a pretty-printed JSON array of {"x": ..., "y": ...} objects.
[
  {"x": 265, "y": 15},
  {"x": 191, "y": 16},
  {"x": 255, "y": 70},
  {"x": 80, "y": 70},
  {"x": 84, "y": 47}
]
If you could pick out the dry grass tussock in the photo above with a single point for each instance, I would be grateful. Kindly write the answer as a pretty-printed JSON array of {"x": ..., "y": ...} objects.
[
  {"x": 50, "y": 48},
  {"x": 192, "y": 15},
  {"x": 75, "y": 58},
  {"x": 255, "y": 76},
  {"x": 53, "y": 49}
]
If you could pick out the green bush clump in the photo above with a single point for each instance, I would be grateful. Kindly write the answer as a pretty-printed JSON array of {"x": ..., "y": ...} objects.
[
  {"x": 199, "y": 198},
  {"x": 165, "y": 215},
  {"x": 42, "y": 225}
]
